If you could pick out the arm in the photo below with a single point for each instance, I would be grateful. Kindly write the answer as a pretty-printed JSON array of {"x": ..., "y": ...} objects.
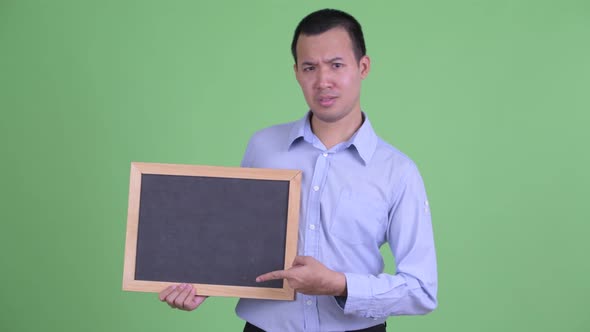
[{"x": 412, "y": 290}]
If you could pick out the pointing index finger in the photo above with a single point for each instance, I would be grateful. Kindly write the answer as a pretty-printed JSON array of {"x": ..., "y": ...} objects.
[{"x": 274, "y": 275}]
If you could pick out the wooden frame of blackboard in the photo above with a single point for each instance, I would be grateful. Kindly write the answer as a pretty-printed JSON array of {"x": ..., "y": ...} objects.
[{"x": 130, "y": 283}]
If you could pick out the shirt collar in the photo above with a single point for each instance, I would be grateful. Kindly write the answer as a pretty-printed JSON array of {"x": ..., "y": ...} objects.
[
  {"x": 364, "y": 139},
  {"x": 298, "y": 129}
]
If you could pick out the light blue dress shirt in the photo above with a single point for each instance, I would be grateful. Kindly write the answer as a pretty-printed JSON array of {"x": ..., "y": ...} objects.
[{"x": 354, "y": 197}]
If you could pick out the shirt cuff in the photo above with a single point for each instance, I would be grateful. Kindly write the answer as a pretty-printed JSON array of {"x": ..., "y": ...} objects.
[{"x": 359, "y": 295}]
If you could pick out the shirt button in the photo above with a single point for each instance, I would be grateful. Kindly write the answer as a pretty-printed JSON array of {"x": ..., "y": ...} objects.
[
  {"x": 325, "y": 154},
  {"x": 316, "y": 188},
  {"x": 312, "y": 227},
  {"x": 308, "y": 302}
]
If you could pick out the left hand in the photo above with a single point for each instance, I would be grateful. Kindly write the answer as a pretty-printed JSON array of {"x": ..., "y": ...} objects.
[{"x": 308, "y": 276}]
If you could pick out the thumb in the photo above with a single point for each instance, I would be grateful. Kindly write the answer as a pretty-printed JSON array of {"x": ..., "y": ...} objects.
[{"x": 301, "y": 260}]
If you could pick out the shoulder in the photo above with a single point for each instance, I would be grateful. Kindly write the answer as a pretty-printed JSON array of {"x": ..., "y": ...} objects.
[
  {"x": 387, "y": 153},
  {"x": 276, "y": 133},
  {"x": 395, "y": 165},
  {"x": 268, "y": 141}
]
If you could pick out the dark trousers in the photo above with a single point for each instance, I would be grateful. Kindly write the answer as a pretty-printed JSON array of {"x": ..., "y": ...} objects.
[{"x": 377, "y": 328}]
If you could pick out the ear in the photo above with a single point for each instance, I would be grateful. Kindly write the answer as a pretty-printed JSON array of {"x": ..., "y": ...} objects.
[
  {"x": 296, "y": 71},
  {"x": 365, "y": 66}
]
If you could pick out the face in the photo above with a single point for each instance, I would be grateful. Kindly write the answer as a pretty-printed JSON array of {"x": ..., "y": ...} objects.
[{"x": 329, "y": 75}]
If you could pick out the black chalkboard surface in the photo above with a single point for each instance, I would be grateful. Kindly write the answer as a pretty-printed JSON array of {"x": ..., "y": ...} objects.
[{"x": 215, "y": 227}]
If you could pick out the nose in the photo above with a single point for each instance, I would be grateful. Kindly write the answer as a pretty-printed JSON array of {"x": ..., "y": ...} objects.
[{"x": 323, "y": 78}]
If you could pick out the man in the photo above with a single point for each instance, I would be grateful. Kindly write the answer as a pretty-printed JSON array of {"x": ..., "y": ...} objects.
[{"x": 358, "y": 192}]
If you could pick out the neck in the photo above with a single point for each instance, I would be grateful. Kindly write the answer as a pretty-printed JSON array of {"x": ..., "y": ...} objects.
[{"x": 333, "y": 133}]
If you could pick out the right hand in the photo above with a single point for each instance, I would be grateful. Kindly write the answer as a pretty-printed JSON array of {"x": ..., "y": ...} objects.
[{"x": 182, "y": 296}]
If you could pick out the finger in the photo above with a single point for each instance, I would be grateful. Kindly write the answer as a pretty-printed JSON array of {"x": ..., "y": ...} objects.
[
  {"x": 179, "y": 301},
  {"x": 193, "y": 301},
  {"x": 163, "y": 294},
  {"x": 198, "y": 300},
  {"x": 274, "y": 275},
  {"x": 189, "y": 299},
  {"x": 172, "y": 296}
]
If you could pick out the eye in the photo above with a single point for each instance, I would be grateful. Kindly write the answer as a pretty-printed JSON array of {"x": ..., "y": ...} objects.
[
  {"x": 308, "y": 68},
  {"x": 337, "y": 65}
]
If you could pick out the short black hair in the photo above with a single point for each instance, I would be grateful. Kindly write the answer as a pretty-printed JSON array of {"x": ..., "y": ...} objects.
[{"x": 325, "y": 19}]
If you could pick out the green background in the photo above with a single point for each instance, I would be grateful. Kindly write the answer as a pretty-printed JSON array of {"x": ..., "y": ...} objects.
[{"x": 489, "y": 98}]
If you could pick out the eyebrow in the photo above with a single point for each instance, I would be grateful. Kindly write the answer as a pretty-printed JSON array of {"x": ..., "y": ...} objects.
[{"x": 311, "y": 63}]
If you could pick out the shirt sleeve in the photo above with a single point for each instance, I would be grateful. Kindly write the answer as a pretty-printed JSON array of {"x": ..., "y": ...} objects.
[
  {"x": 413, "y": 289},
  {"x": 248, "y": 155}
]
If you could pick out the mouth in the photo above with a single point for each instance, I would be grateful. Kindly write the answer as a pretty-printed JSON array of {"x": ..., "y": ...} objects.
[{"x": 326, "y": 101}]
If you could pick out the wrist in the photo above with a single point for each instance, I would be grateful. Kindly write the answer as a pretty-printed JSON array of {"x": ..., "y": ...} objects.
[{"x": 340, "y": 288}]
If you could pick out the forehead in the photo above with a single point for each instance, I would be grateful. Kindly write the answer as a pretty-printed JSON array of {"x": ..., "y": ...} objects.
[{"x": 332, "y": 43}]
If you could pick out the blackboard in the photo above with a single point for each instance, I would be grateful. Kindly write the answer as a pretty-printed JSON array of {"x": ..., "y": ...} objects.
[{"x": 215, "y": 227}]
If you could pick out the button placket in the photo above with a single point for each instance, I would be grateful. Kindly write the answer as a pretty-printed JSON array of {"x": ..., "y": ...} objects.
[{"x": 311, "y": 246}]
